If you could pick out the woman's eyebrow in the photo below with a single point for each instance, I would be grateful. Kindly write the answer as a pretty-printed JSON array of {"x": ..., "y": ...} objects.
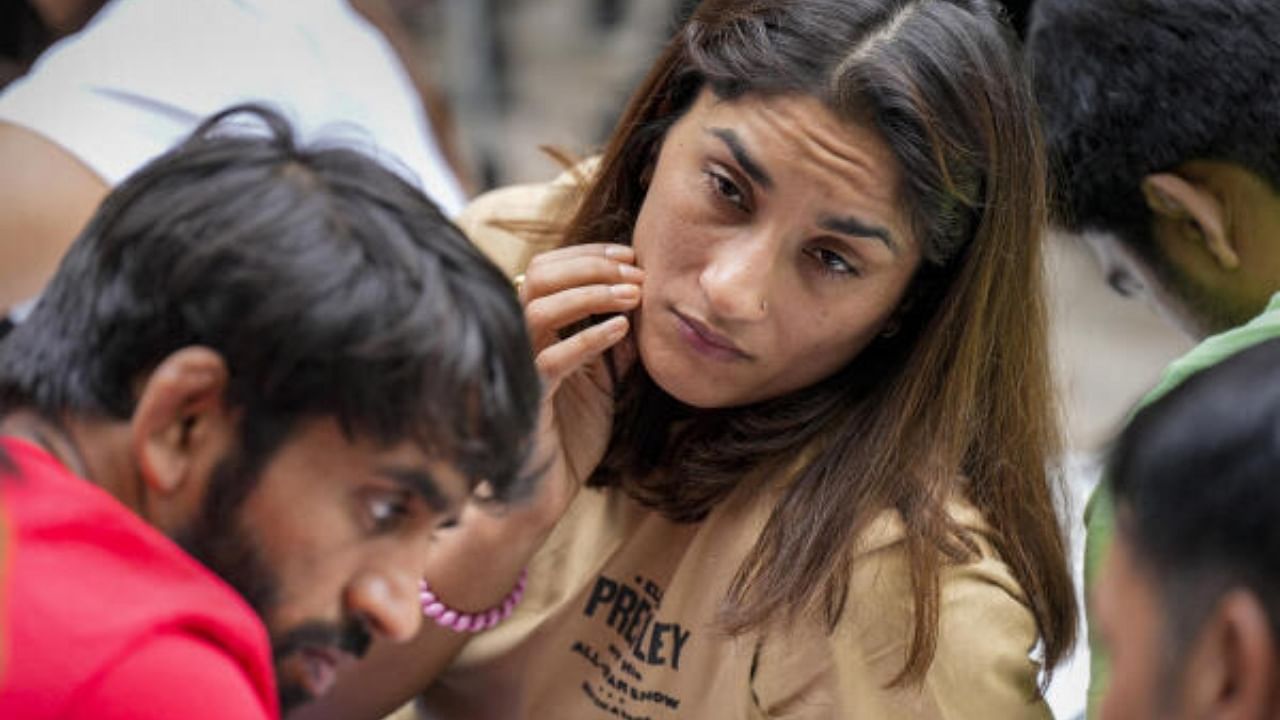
[
  {"x": 739, "y": 151},
  {"x": 850, "y": 225},
  {"x": 844, "y": 225}
]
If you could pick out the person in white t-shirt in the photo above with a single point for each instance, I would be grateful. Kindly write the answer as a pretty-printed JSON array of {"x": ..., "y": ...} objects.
[{"x": 100, "y": 104}]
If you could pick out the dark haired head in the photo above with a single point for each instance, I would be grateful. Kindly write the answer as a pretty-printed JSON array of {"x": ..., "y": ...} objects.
[
  {"x": 1134, "y": 87},
  {"x": 329, "y": 286},
  {"x": 1197, "y": 497}
]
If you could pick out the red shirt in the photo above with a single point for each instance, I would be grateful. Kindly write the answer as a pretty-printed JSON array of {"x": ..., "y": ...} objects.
[{"x": 104, "y": 617}]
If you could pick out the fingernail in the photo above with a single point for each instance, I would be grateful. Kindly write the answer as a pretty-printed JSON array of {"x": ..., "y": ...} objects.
[
  {"x": 617, "y": 325},
  {"x": 630, "y": 272},
  {"x": 614, "y": 252},
  {"x": 625, "y": 292}
]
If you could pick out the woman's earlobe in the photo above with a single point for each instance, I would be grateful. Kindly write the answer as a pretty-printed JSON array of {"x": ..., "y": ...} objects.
[{"x": 893, "y": 325}]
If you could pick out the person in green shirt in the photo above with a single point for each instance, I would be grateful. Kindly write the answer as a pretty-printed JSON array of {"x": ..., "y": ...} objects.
[
  {"x": 1189, "y": 593},
  {"x": 1162, "y": 119}
]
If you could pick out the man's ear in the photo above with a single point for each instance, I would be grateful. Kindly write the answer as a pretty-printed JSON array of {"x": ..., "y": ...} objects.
[
  {"x": 1190, "y": 204},
  {"x": 1231, "y": 670},
  {"x": 180, "y": 418}
]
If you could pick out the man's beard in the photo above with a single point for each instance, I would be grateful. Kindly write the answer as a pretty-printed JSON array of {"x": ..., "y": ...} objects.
[
  {"x": 227, "y": 546},
  {"x": 1196, "y": 310},
  {"x": 1203, "y": 312}
]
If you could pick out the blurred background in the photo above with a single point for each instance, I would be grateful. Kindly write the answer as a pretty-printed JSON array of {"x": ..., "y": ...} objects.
[{"x": 503, "y": 79}]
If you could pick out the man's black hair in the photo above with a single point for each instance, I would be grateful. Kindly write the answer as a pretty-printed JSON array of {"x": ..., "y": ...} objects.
[
  {"x": 330, "y": 286},
  {"x": 1196, "y": 478},
  {"x": 1134, "y": 87}
]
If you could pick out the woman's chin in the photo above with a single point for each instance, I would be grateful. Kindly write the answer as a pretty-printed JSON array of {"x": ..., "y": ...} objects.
[
  {"x": 682, "y": 381},
  {"x": 684, "y": 374}
]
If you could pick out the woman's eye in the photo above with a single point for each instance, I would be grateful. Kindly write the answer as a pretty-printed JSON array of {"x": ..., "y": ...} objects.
[
  {"x": 832, "y": 262},
  {"x": 727, "y": 189}
]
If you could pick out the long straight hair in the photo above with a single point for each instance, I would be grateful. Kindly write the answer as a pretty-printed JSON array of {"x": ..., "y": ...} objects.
[{"x": 960, "y": 397}]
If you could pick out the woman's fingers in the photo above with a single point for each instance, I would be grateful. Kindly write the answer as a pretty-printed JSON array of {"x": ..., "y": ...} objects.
[
  {"x": 547, "y": 316},
  {"x": 566, "y": 274},
  {"x": 612, "y": 251},
  {"x": 579, "y": 265},
  {"x": 563, "y": 358},
  {"x": 564, "y": 287}
]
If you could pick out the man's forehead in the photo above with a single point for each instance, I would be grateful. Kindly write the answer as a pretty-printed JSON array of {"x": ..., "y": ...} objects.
[
  {"x": 440, "y": 483},
  {"x": 408, "y": 463}
]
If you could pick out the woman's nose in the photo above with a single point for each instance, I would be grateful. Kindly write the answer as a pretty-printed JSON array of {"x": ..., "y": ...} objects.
[{"x": 737, "y": 277}]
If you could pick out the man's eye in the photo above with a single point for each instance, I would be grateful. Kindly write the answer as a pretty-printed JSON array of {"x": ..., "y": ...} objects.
[{"x": 386, "y": 510}]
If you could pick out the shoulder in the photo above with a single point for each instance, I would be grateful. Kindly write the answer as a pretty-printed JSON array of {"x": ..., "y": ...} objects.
[
  {"x": 171, "y": 675},
  {"x": 153, "y": 611},
  {"x": 982, "y": 666},
  {"x": 514, "y": 223},
  {"x": 50, "y": 194},
  {"x": 1216, "y": 348}
]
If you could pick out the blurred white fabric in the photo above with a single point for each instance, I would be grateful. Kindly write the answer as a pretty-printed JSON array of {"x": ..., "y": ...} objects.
[{"x": 143, "y": 73}]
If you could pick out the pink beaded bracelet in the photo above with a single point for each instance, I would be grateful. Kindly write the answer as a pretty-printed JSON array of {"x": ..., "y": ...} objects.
[{"x": 459, "y": 621}]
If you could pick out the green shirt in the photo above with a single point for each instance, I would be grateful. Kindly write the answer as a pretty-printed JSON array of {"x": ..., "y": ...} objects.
[{"x": 1099, "y": 514}]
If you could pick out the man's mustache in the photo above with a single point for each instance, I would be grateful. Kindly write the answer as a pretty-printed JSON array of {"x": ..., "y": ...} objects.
[{"x": 351, "y": 637}]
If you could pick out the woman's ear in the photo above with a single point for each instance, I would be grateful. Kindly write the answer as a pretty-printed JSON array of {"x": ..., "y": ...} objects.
[
  {"x": 893, "y": 325},
  {"x": 1194, "y": 207},
  {"x": 179, "y": 418}
]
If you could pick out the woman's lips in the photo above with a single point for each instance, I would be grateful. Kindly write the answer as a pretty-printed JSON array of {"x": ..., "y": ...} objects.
[{"x": 706, "y": 342}]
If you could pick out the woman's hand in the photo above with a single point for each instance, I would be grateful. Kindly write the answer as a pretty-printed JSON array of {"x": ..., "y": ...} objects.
[{"x": 562, "y": 289}]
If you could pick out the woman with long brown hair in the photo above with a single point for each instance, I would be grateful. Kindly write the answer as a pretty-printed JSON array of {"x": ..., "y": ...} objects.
[{"x": 798, "y": 410}]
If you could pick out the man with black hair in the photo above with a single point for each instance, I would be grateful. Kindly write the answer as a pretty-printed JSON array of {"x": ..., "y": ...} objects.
[
  {"x": 1189, "y": 596},
  {"x": 261, "y": 380},
  {"x": 1162, "y": 119}
]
